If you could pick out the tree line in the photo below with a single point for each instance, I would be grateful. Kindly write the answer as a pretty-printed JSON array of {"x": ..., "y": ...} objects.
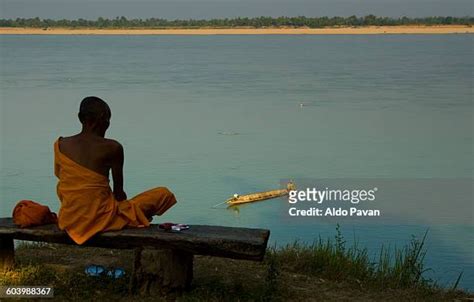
[{"x": 258, "y": 22}]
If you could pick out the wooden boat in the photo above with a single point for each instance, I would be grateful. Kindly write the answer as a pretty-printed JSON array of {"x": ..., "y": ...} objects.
[{"x": 241, "y": 199}]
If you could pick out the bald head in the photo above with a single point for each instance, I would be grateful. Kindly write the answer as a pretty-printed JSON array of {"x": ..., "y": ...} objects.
[{"x": 93, "y": 109}]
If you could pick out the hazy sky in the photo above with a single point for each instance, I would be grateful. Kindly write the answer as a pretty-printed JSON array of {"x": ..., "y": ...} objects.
[{"x": 171, "y": 9}]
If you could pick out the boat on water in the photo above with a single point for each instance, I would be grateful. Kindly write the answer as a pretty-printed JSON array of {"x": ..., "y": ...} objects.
[{"x": 242, "y": 199}]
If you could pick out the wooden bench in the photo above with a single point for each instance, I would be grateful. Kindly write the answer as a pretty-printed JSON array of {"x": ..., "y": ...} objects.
[{"x": 163, "y": 259}]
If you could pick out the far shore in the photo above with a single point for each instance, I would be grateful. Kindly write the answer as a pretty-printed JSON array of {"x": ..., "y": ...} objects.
[{"x": 366, "y": 30}]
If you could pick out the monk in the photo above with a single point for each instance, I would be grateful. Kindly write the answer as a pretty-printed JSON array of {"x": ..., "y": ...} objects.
[{"x": 82, "y": 163}]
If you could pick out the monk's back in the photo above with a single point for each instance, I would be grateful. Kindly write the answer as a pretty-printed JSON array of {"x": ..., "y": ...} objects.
[
  {"x": 91, "y": 152},
  {"x": 82, "y": 163}
]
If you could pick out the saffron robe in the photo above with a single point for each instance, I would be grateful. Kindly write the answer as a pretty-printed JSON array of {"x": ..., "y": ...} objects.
[
  {"x": 88, "y": 205},
  {"x": 29, "y": 213}
]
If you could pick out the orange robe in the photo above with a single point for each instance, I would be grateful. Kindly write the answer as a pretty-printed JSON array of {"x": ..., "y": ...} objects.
[
  {"x": 29, "y": 213},
  {"x": 88, "y": 205}
]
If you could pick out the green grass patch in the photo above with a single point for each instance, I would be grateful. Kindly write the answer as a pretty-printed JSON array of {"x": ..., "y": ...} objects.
[{"x": 333, "y": 259}]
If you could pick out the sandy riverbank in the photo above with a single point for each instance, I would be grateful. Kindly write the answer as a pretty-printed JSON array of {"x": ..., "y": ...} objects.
[{"x": 369, "y": 30}]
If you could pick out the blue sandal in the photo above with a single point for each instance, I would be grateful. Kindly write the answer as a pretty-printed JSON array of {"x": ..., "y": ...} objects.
[
  {"x": 95, "y": 270},
  {"x": 116, "y": 273}
]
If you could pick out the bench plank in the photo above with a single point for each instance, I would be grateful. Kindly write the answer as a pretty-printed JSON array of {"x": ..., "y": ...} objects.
[{"x": 219, "y": 241}]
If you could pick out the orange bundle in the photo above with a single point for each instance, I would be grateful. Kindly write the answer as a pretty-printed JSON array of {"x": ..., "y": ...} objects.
[{"x": 29, "y": 213}]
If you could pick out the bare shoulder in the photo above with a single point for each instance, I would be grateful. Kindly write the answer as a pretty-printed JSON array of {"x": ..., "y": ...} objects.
[
  {"x": 66, "y": 138},
  {"x": 66, "y": 141},
  {"x": 113, "y": 146}
]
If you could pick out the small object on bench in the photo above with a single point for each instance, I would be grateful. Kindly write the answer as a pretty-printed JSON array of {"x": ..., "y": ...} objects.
[
  {"x": 163, "y": 260},
  {"x": 28, "y": 213},
  {"x": 170, "y": 226}
]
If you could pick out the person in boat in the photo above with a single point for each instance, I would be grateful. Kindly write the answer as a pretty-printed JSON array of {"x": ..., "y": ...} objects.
[
  {"x": 236, "y": 196},
  {"x": 82, "y": 163},
  {"x": 290, "y": 186}
]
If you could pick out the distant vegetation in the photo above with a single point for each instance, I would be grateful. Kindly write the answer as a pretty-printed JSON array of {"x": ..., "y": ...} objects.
[{"x": 259, "y": 22}]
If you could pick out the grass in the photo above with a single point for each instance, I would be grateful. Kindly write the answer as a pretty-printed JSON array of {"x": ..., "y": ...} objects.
[
  {"x": 327, "y": 270},
  {"x": 332, "y": 259}
]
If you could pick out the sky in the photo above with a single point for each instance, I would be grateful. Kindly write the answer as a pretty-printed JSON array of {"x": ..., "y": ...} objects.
[{"x": 205, "y": 9}]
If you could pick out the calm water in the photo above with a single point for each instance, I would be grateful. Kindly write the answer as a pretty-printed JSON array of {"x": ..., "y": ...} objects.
[{"x": 376, "y": 107}]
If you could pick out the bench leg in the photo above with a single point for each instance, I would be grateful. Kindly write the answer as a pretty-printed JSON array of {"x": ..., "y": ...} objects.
[
  {"x": 7, "y": 253},
  {"x": 161, "y": 271}
]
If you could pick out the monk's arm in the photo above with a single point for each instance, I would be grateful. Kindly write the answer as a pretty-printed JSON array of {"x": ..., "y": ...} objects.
[{"x": 117, "y": 173}]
